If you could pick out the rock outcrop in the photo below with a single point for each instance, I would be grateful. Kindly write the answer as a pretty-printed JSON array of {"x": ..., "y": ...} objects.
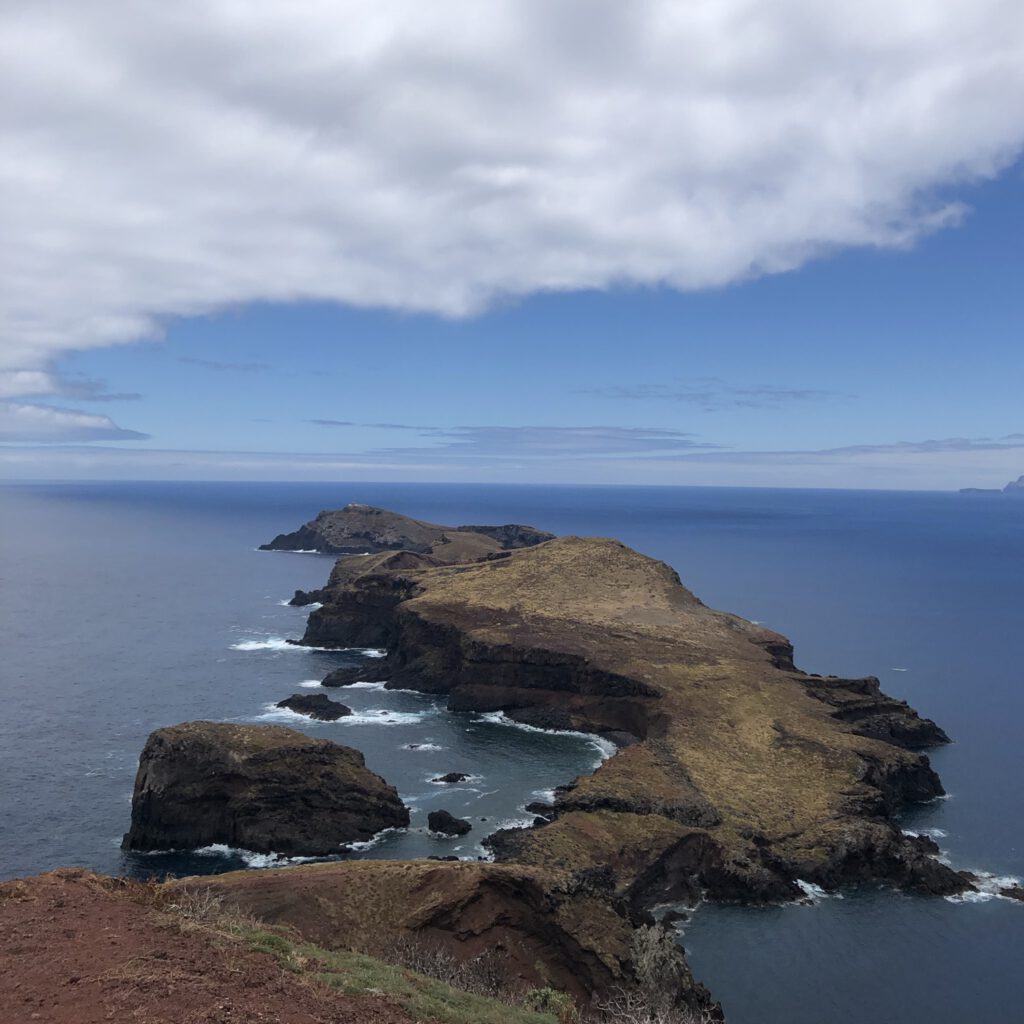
[
  {"x": 258, "y": 787},
  {"x": 363, "y": 529},
  {"x": 446, "y": 824},
  {"x": 315, "y": 705},
  {"x": 451, "y": 778},
  {"x": 737, "y": 774}
]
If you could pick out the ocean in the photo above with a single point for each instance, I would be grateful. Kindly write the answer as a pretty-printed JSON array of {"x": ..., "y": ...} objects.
[{"x": 128, "y": 606}]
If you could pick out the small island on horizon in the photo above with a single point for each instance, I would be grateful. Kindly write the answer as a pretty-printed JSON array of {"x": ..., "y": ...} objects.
[{"x": 1014, "y": 487}]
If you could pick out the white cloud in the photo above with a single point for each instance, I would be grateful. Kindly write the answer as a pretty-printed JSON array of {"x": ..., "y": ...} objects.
[
  {"x": 27, "y": 423},
  {"x": 169, "y": 159}
]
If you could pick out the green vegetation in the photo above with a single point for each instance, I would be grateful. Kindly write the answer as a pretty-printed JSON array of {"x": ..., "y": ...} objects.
[{"x": 358, "y": 975}]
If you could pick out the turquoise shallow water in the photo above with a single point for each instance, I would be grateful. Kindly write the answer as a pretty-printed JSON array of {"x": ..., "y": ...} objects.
[{"x": 129, "y": 606}]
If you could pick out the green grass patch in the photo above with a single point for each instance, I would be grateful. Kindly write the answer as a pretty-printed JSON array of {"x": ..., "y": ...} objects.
[{"x": 356, "y": 974}]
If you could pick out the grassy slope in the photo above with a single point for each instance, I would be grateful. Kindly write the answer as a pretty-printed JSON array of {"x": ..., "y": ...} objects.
[{"x": 355, "y": 974}]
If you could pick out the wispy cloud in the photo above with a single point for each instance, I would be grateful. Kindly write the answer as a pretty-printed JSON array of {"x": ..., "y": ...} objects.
[
  {"x": 552, "y": 442},
  {"x": 32, "y": 424},
  {"x": 712, "y": 394},
  {"x": 440, "y": 162},
  {"x": 332, "y": 423},
  {"x": 39, "y": 383},
  {"x": 224, "y": 367}
]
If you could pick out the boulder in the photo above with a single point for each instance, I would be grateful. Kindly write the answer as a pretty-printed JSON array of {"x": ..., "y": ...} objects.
[
  {"x": 447, "y": 824},
  {"x": 264, "y": 788},
  {"x": 451, "y": 777},
  {"x": 315, "y": 705}
]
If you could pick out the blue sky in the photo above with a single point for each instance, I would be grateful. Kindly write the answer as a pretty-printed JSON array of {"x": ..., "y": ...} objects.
[{"x": 860, "y": 350}]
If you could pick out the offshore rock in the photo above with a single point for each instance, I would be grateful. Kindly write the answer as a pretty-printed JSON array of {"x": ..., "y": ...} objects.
[
  {"x": 315, "y": 705},
  {"x": 446, "y": 824},
  {"x": 264, "y": 788}
]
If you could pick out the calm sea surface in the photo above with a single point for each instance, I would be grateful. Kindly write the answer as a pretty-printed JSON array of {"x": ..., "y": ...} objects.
[{"x": 124, "y": 607}]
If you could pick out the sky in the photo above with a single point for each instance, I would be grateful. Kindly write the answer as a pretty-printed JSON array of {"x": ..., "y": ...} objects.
[{"x": 740, "y": 244}]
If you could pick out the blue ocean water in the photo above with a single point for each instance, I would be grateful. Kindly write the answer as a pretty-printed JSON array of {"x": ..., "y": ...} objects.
[{"x": 129, "y": 606}]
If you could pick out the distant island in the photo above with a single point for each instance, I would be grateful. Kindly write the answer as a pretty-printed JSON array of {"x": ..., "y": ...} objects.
[{"x": 1014, "y": 487}]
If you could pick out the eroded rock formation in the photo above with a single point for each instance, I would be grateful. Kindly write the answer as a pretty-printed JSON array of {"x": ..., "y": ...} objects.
[
  {"x": 315, "y": 705},
  {"x": 258, "y": 787}
]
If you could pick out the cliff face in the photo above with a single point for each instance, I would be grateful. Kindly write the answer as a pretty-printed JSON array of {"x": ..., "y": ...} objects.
[
  {"x": 361, "y": 529},
  {"x": 741, "y": 774},
  {"x": 261, "y": 788},
  {"x": 568, "y": 933}
]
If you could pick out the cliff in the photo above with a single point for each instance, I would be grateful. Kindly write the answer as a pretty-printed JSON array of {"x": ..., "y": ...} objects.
[
  {"x": 738, "y": 774},
  {"x": 262, "y": 788},
  {"x": 78, "y": 948}
]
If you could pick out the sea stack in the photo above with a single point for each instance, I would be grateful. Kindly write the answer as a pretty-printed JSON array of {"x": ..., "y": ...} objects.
[{"x": 263, "y": 788}]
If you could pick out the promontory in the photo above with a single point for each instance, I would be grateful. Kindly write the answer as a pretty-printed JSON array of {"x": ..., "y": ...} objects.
[{"x": 737, "y": 775}]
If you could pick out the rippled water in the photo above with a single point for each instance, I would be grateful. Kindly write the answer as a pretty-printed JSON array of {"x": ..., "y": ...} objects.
[{"x": 125, "y": 607}]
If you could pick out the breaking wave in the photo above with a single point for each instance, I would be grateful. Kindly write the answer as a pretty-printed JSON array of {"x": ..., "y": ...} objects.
[
  {"x": 605, "y": 748},
  {"x": 250, "y": 858},
  {"x": 369, "y": 844},
  {"x": 371, "y": 716},
  {"x": 989, "y": 887}
]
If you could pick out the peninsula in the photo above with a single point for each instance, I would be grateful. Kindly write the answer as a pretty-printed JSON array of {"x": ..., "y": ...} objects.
[{"x": 737, "y": 777}]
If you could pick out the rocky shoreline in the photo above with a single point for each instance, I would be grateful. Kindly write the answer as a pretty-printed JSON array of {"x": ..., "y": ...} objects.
[{"x": 737, "y": 775}]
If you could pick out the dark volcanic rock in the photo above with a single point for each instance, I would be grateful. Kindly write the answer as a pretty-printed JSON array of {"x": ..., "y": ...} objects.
[
  {"x": 315, "y": 705},
  {"x": 447, "y": 824},
  {"x": 361, "y": 529},
  {"x": 451, "y": 777},
  {"x": 373, "y": 670},
  {"x": 258, "y": 787},
  {"x": 302, "y": 598}
]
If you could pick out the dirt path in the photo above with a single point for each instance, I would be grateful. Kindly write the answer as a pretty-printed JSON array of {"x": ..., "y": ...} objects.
[{"x": 76, "y": 950}]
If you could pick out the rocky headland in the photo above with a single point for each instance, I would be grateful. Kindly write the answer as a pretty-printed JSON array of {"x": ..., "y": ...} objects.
[
  {"x": 266, "y": 788},
  {"x": 737, "y": 775},
  {"x": 363, "y": 529}
]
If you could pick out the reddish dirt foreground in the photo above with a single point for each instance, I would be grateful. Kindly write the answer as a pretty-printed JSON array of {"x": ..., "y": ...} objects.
[{"x": 77, "y": 948}]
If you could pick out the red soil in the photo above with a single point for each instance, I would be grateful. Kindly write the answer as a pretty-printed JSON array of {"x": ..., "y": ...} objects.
[{"x": 77, "y": 948}]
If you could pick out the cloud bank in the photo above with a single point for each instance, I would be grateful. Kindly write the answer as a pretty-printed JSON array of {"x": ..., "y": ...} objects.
[{"x": 166, "y": 160}]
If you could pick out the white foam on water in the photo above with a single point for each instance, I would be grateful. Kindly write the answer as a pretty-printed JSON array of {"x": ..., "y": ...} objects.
[
  {"x": 546, "y": 795},
  {"x": 369, "y": 844},
  {"x": 899, "y": 670},
  {"x": 605, "y": 748},
  {"x": 272, "y": 643},
  {"x": 310, "y": 684},
  {"x": 932, "y": 833},
  {"x": 815, "y": 893},
  {"x": 381, "y": 716},
  {"x": 363, "y": 686},
  {"x": 250, "y": 857},
  {"x": 372, "y": 716},
  {"x": 989, "y": 887},
  {"x": 279, "y": 643},
  {"x": 421, "y": 746}
]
